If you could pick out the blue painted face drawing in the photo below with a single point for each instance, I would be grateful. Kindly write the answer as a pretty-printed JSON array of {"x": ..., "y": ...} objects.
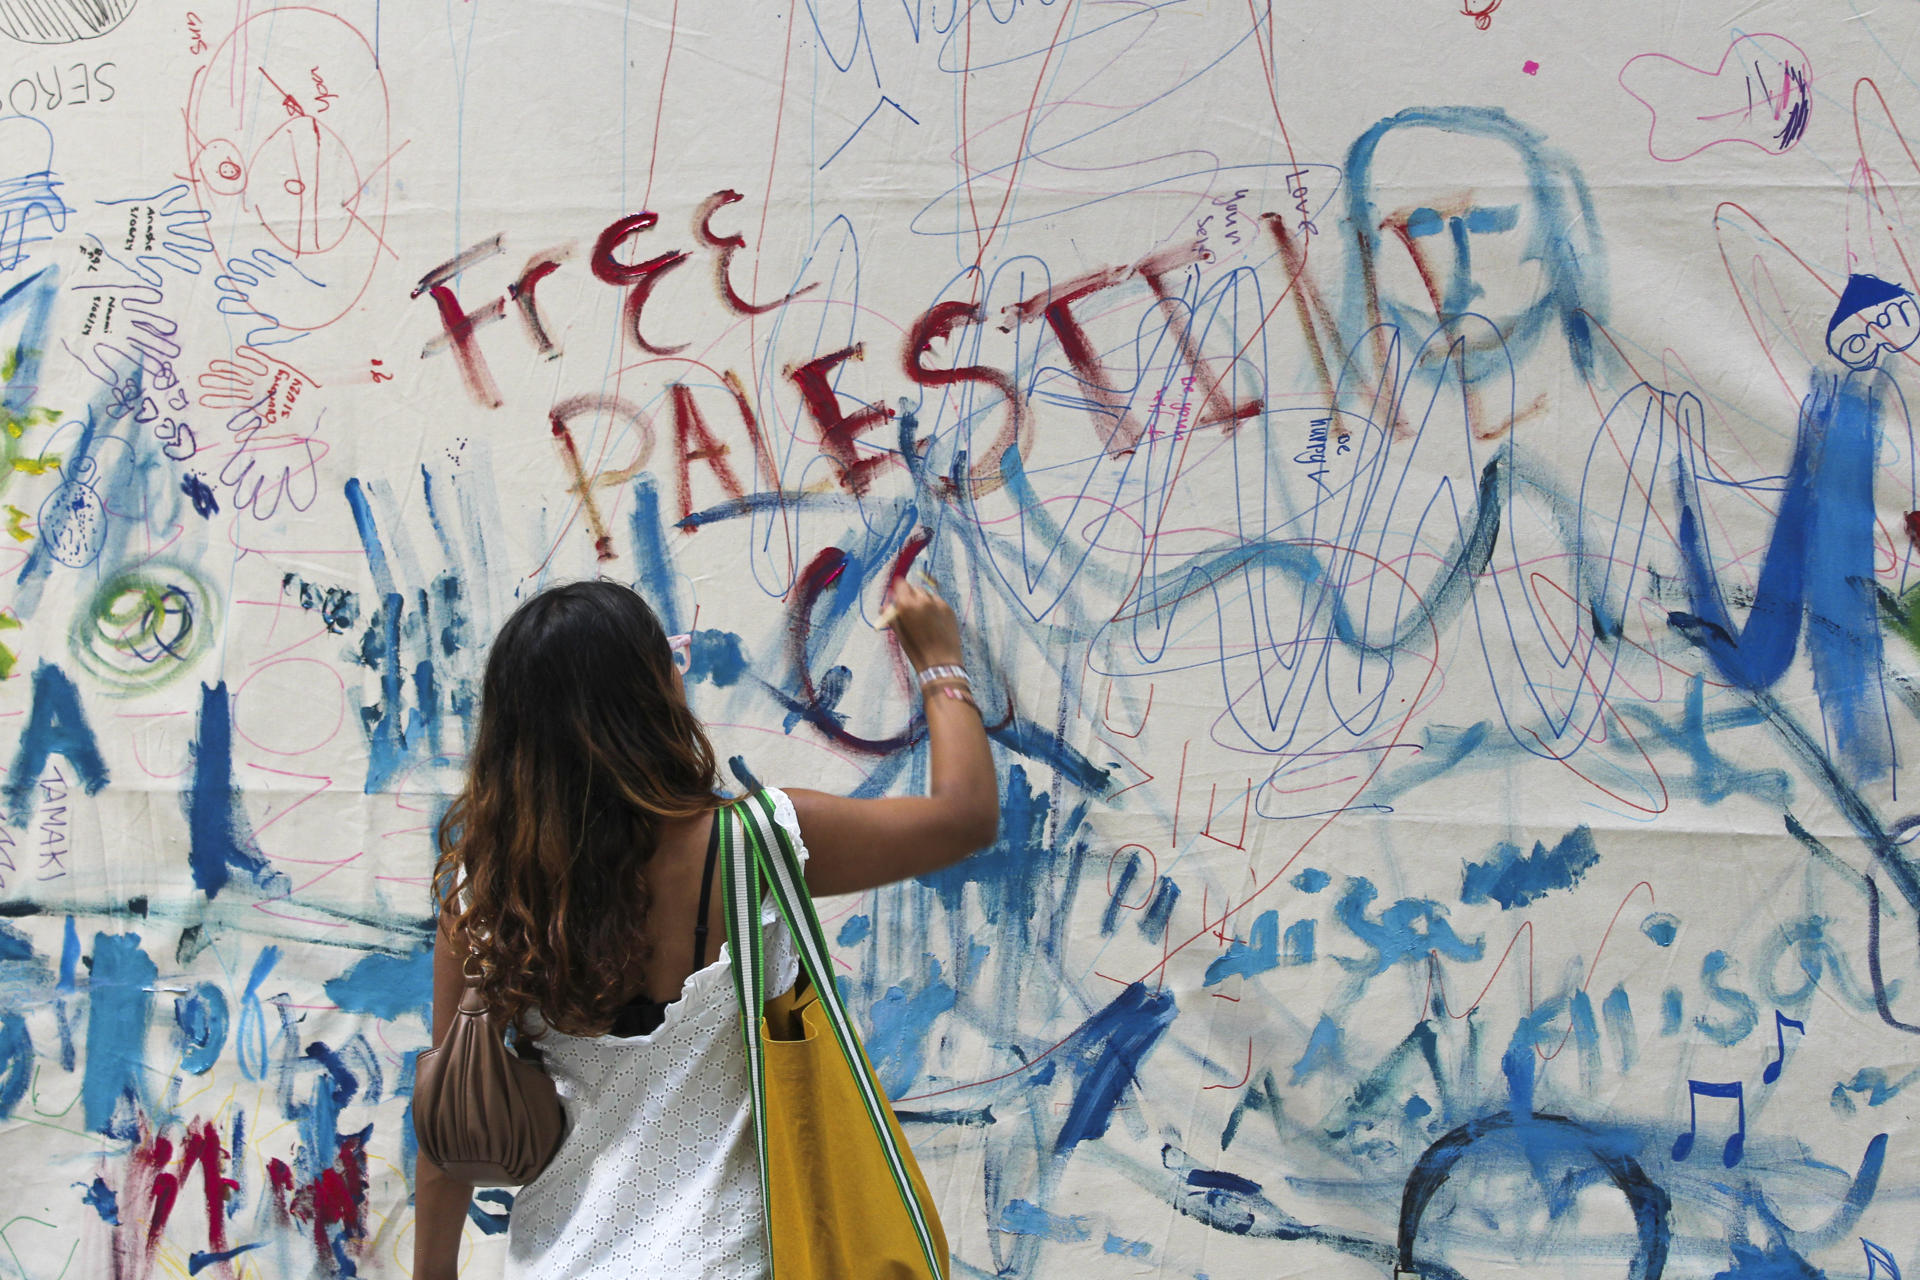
[
  {"x": 1463, "y": 289},
  {"x": 1515, "y": 243},
  {"x": 1873, "y": 316}
]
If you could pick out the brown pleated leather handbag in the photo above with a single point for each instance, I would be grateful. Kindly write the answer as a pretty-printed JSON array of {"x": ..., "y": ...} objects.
[{"x": 480, "y": 1111}]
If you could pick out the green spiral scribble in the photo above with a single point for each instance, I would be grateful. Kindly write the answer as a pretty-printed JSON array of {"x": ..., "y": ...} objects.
[{"x": 143, "y": 627}]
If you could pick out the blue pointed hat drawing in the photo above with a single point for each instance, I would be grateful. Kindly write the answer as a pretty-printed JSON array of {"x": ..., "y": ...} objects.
[
  {"x": 1862, "y": 292},
  {"x": 1874, "y": 316}
]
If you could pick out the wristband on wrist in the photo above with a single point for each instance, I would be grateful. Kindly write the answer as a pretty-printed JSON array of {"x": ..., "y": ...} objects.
[
  {"x": 927, "y": 675},
  {"x": 958, "y": 692}
]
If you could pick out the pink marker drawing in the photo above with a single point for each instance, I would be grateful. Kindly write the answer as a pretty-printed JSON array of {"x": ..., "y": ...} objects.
[{"x": 1760, "y": 95}]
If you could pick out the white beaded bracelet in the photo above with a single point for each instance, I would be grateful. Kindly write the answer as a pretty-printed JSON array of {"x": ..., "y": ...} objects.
[{"x": 930, "y": 674}]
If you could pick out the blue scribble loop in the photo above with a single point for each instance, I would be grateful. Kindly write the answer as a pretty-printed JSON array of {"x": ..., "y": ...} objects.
[
  {"x": 73, "y": 520},
  {"x": 1535, "y": 1136},
  {"x": 200, "y": 1026},
  {"x": 31, "y": 210}
]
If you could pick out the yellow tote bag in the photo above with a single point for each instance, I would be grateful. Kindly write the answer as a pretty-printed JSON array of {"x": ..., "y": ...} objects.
[{"x": 845, "y": 1198}]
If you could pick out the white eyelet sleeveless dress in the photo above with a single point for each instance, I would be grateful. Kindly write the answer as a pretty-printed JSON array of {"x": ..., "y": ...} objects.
[{"x": 657, "y": 1176}]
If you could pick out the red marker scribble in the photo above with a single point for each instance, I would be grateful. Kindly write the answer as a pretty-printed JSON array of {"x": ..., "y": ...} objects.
[{"x": 1482, "y": 18}]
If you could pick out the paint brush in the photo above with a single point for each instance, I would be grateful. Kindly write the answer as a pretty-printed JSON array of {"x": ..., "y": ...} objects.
[{"x": 887, "y": 615}]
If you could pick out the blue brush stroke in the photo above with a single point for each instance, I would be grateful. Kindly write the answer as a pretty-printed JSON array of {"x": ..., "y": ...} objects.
[
  {"x": 1671, "y": 1013},
  {"x": 396, "y": 733},
  {"x": 100, "y": 1198},
  {"x": 650, "y": 551},
  {"x": 1661, "y": 928},
  {"x": 1028, "y": 739},
  {"x": 121, "y": 1004},
  {"x": 69, "y": 958},
  {"x": 1513, "y": 879},
  {"x": 16, "y": 1061},
  {"x": 900, "y": 1024},
  {"x": 1745, "y": 1016},
  {"x": 1153, "y": 921},
  {"x": 200, "y": 1027},
  {"x": 1110, "y": 919},
  {"x": 717, "y": 657},
  {"x": 197, "y": 1262},
  {"x": 490, "y": 1222},
  {"x": 56, "y": 725},
  {"x": 1230, "y": 1203},
  {"x": 1405, "y": 933},
  {"x": 388, "y": 987},
  {"x": 854, "y": 931},
  {"x": 219, "y": 839},
  {"x": 1845, "y": 1217},
  {"x": 1617, "y": 1014},
  {"x": 1546, "y": 1143},
  {"x": 1519, "y": 1067},
  {"x": 1298, "y": 946},
  {"x": 66, "y": 986},
  {"x": 1021, "y": 1218},
  {"x": 969, "y": 1118},
  {"x": 237, "y": 1141},
  {"x": 1775, "y": 1262},
  {"x": 1322, "y": 1052},
  {"x": 15, "y": 945},
  {"x": 1874, "y": 1085},
  {"x": 1008, "y": 875},
  {"x": 1586, "y": 1038},
  {"x": 250, "y": 1044},
  {"x": 1259, "y": 954},
  {"x": 1843, "y": 615},
  {"x": 1715, "y": 778},
  {"x": 1104, "y": 1054},
  {"x": 1818, "y": 570}
]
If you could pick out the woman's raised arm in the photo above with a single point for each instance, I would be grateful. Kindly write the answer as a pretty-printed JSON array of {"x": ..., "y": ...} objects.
[{"x": 862, "y": 844}]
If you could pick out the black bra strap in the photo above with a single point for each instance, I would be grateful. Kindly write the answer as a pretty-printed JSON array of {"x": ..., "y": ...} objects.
[{"x": 706, "y": 894}]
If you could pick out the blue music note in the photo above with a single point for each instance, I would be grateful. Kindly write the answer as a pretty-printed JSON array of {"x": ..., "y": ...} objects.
[
  {"x": 1880, "y": 1263},
  {"x": 1698, "y": 1089},
  {"x": 1780, "y": 1024}
]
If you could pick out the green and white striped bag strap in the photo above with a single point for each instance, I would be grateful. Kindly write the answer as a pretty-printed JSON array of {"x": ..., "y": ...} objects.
[
  {"x": 741, "y": 894},
  {"x": 774, "y": 850}
]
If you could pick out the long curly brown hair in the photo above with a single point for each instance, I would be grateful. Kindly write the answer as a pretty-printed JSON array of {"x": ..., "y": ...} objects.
[{"x": 585, "y": 747}]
